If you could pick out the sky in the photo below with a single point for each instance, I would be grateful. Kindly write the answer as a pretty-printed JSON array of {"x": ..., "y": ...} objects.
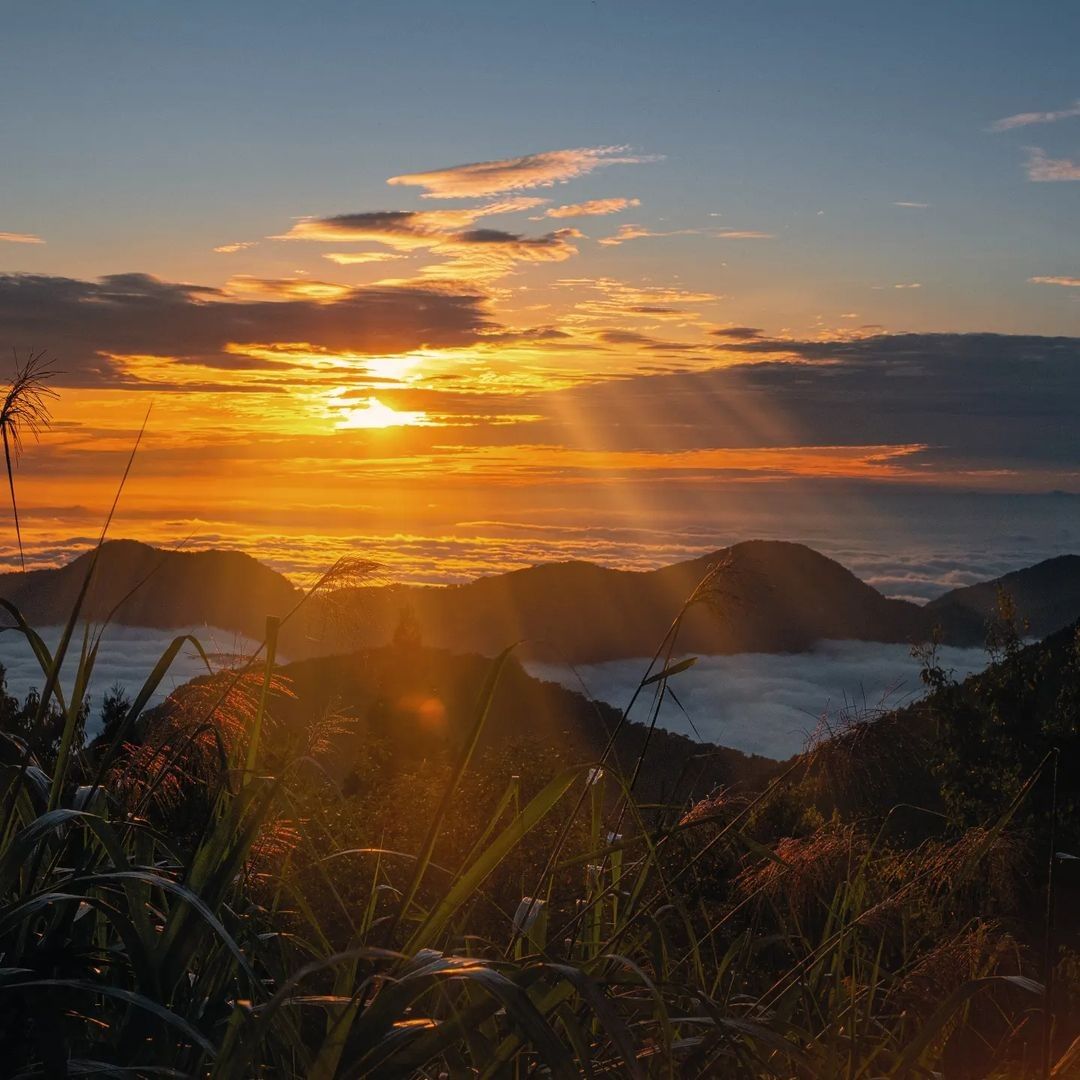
[{"x": 471, "y": 286}]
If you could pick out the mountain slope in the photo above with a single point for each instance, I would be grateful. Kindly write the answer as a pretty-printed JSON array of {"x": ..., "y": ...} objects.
[
  {"x": 769, "y": 596},
  {"x": 1047, "y": 595},
  {"x": 417, "y": 702},
  {"x": 167, "y": 589}
]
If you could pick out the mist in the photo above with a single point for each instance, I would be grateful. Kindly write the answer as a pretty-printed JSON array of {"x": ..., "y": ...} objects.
[
  {"x": 126, "y": 657},
  {"x": 763, "y": 703}
]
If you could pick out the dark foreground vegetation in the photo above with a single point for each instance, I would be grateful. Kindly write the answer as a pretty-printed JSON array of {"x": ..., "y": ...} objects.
[
  {"x": 406, "y": 863},
  {"x": 402, "y": 862}
]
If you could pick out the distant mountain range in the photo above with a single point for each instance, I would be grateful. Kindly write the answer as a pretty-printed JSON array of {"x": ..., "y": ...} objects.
[{"x": 768, "y": 597}]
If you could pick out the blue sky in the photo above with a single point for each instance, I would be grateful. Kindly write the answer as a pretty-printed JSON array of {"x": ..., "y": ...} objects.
[{"x": 161, "y": 128}]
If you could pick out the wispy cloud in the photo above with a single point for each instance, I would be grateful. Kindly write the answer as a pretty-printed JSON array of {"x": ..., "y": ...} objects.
[
  {"x": 620, "y": 300},
  {"x": 356, "y": 258},
  {"x": 483, "y": 255},
  {"x": 300, "y": 288},
  {"x": 232, "y": 249},
  {"x": 591, "y": 208},
  {"x": 1026, "y": 119},
  {"x": 19, "y": 238},
  {"x": 913, "y": 205},
  {"x": 471, "y": 253},
  {"x": 517, "y": 174},
  {"x": 738, "y": 333},
  {"x": 644, "y": 341},
  {"x": 741, "y": 234},
  {"x": 640, "y": 232},
  {"x": 402, "y": 229},
  {"x": 1043, "y": 168},
  {"x": 1067, "y": 282}
]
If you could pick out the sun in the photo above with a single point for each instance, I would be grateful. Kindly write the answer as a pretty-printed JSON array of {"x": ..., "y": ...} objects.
[{"x": 374, "y": 414}]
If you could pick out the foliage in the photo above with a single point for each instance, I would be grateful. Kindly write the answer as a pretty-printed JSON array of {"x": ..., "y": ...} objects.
[{"x": 992, "y": 731}]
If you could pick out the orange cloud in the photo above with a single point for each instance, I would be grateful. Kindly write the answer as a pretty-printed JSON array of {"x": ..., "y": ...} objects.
[
  {"x": 479, "y": 255},
  {"x": 517, "y": 174},
  {"x": 403, "y": 229},
  {"x": 618, "y": 300},
  {"x": 232, "y": 249},
  {"x": 591, "y": 208},
  {"x": 286, "y": 288},
  {"x": 356, "y": 258},
  {"x": 20, "y": 238}
]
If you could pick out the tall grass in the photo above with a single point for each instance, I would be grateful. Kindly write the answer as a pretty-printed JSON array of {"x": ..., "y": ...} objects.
[{"x": 180, "y": 902}]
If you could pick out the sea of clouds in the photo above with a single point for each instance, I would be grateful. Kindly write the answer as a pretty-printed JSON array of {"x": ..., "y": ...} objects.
[
  {"x": 756, "y": 702},
  {"x": 764, "y": 703},
  {"x": 126, "y": 657}
]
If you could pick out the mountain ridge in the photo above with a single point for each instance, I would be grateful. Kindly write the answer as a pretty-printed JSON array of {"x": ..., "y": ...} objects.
[{"x": 768, "y": 596}]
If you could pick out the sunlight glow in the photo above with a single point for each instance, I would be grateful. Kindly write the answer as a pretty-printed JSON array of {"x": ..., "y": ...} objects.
[{"x": 377, "y": 415}]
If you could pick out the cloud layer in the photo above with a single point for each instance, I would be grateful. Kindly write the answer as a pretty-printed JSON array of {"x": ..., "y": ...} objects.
[
  {"x": 768, "y": 704},
  {"x": 85, "y": 323},
  {"x": 953, "y": 395}
]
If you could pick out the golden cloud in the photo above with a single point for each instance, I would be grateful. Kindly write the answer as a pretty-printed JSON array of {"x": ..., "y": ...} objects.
[
  {"x": 480, "y": 255},
  {"x": 591, "y": 208},
  {"x": 286, "y": 288},
  {"x": 517, "y": 174},
  {"x": 619, "y": 300},
  {"x": 20, "y": 238},
  {"x": 356, "y": 258},
  {"x": 406, "y": 230}
]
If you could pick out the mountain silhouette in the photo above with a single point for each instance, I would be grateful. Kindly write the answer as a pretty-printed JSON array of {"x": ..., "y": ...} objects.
[
  {"x": 139, "y": 585},
  {"x": 766, "y": 597},
  {"x": 1046, "y": 595},
  {"x": 763, "y": 596}
]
